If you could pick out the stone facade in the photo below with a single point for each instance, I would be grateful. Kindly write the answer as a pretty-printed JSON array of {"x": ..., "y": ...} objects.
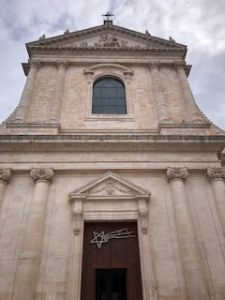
[{"x": 161, "y": 164}]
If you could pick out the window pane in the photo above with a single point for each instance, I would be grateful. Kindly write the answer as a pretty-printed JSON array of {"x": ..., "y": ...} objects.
[
  {"x": 120, "y": 101},
  {"x": 97, "y": 92},
  {"x": 98, "y": 101},
  {"x": 108, "y": 84},
  {"x": 109, "y": 92},
  {"x": 120, "y": 92},
  {"x": 121, "y": 110},
  {"x": 109, "y": 97}
]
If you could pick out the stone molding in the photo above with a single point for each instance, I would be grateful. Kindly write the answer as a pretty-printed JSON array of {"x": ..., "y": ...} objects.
[
  {"x": 108, "y": 28},
  {"x": 178, "y": 53},
  {"x": 126, "y": 70},
  {"x": 5, "y": 175},
  {"x": 109, "y": 69},
  {"x": 110, "y": 187},
  {"x": 216, "y": 173},
  {"x": 13, "y": 124},
  {"x": 41, "y": 174},
  {"x": 41, "y": 63},
  {"x": 116, "y": 146},
  {"x": 109, "y": 66},
  {"x": 177, "y": 174},
  {"x": 105, "y": 28},
  {"x": 64, "y": 65},
  {"x": 110, "y": 198},
  {"x": 27, "y": 66},
  {"x": 204, "y": 124}
]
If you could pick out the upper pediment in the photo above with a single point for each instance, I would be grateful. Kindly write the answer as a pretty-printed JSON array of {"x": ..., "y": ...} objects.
[{"x": 106, "y": 37}]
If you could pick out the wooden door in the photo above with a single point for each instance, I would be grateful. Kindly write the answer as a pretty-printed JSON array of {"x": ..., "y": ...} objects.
[{"x": 108, "y": 258}]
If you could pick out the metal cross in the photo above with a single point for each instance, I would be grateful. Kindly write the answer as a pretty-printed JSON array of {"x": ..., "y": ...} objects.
[{"x": 108, "y": 15}]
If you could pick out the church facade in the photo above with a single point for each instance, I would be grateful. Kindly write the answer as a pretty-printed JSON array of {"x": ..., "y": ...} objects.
[{"x": 111, "y": 178}]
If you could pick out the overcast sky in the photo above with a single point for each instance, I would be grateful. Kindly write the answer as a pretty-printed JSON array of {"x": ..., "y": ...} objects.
[{"x": 199, "y": 24}]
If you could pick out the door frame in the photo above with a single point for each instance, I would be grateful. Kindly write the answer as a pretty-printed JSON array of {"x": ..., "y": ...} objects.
[{"x": 92, "y": 207}]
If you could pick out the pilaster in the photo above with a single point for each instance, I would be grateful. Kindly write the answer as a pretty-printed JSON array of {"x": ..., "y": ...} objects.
[
  {"x": 191, "y": 261},
  {"x": 192, "y": 111},
  {"x": 159, "y": 95},
  {"x": 29, "y": 260},
  {"x": 59, "y": 87},
  {"x": 27, "y": 94},
  {"x": 4, "y": 179},
  {"x": 216, "y": 177}
]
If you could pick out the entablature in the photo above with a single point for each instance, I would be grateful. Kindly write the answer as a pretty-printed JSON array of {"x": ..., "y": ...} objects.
[
  {"x": 111, "y": 143},
  {"x": 119, "y": 63}
]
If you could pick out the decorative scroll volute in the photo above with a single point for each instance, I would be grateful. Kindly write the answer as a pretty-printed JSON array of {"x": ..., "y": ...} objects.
[
  {"x": 5, "y": 175},
  {"x": 177, "y": 173},
  {"x": 216, "y": 173},
  {"x": 42, "y": 174}
]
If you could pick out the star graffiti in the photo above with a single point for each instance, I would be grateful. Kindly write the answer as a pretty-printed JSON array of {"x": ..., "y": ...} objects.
[{"x": 102, "y": 237}]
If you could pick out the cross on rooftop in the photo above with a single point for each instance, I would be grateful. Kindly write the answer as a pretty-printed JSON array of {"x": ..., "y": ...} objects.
[{"x": 108, "y": 15}]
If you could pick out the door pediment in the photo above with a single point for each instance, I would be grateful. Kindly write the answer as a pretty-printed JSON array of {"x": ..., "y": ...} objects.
[
  {"x": 110, "y": 186},
  {"x": 108, "y": 199},
  {"x": 110, "y": 193}
]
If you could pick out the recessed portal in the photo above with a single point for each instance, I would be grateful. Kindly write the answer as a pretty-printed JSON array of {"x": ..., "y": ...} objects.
[
  {"x": 111, "y": 263},
  {"x": 110, "y": 284}
]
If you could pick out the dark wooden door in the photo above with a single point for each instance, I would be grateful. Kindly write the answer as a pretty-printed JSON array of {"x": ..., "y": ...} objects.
[{"x": 106, "y": 258}]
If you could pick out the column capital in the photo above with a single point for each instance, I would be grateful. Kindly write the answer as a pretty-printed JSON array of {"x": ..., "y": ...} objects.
[
  {"x": 63, "y": 65},
  {"x": 177, "y": 173},
  {"x": 5, "y": 175},
  {"x": 41, "y": 174},
  {"x": 216, "y": 173},
  {"x": 154, "y": 66}
]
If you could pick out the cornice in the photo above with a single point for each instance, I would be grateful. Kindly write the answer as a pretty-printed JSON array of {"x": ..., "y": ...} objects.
[
  {"x": 100, "y": 50},
  {"x": 186, "y": 125},
  {"x": 112, "y": 143},
  {"x": 120, "y": 65},
  {"x": 32, "y": 125},
  {"x": 104, "y": 28}
]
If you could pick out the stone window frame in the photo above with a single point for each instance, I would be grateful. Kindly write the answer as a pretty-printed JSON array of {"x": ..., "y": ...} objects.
[{"x": 99, "y": 71}]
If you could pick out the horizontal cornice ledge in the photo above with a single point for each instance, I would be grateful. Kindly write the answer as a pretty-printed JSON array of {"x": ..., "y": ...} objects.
[
  {"x": 73, "y": 198},
  {"x": 111, "y": 143},
  {"x": 185, "y": 125},
  {"x": 32, "y": 125},
  {"x": 56, "y": 49},
  {"x": 69, "y": 62}
]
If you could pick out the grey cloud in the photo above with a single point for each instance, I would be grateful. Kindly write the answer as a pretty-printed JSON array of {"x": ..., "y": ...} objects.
[
  {"x": 207, "y": 80},
  {"x": 196, "y": 23}
]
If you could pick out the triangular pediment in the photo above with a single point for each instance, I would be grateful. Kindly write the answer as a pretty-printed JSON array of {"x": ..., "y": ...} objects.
[
  {"x": 110, "y": 185},
  {"x": 103, "y": 36}
]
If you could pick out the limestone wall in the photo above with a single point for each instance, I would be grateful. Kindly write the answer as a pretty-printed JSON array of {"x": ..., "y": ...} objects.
[
  {"x": 152, "y": 97},
  {"x": 57, "y": 246}
]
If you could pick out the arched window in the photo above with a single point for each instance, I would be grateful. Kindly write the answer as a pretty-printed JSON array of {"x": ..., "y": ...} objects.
[{"x": 109, "y": 96}]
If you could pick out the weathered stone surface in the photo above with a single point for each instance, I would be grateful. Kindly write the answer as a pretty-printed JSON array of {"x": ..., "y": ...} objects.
[{"x": 163, "y": 147}]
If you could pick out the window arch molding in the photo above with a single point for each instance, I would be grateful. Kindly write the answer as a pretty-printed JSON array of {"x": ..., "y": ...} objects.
[
  {"x": 123, "y": 74},
  {"x": 109, "y": 96}
]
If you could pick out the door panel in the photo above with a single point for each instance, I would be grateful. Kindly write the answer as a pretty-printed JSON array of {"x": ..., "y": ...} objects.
[{"x": 116, "y": 253}]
